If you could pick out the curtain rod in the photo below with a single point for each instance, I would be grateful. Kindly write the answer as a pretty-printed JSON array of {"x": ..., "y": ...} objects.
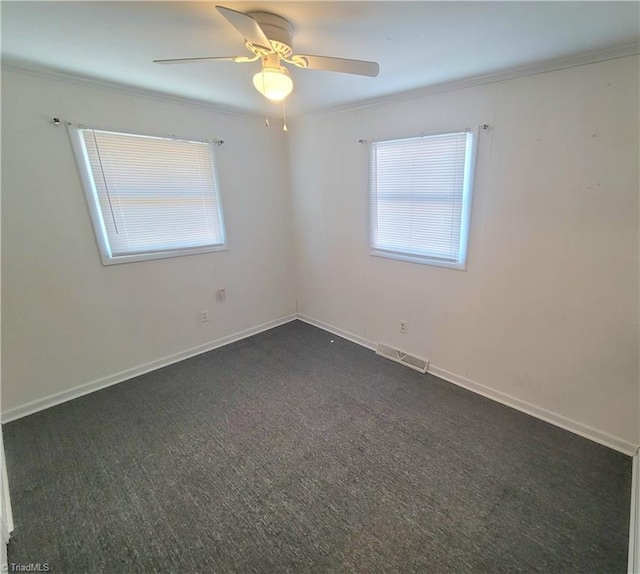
[
  {"x": 58, "y": 121},
  {"x": 483, "y": 127}
]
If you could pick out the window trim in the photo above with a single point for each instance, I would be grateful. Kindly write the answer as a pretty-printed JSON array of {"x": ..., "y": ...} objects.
[
  {"x": 93, "y": 201},
  {"x": 467, "y": 196}
]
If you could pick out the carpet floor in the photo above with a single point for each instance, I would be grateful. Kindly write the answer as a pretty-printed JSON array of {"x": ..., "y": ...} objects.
[{"x": 298, "y": 451}]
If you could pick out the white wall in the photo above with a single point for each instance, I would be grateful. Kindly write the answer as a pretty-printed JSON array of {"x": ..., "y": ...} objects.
[
  {"x": 66, "y": 319},
  {"x": 547, "y": 311}
]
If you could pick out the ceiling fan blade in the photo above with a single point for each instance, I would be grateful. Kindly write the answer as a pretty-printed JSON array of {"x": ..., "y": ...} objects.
[
  {"x": 248, "y": 28},
  {"x": 238, "y": 59},
  {"x": 358, "y": 67}
]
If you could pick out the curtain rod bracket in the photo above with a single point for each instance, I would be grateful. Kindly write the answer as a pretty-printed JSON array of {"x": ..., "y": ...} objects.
[{"x": 56, "y": 121}]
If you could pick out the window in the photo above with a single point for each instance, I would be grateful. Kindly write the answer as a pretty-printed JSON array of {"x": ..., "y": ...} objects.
[
  {"x": 420, "y": 199},
  {"x": 149, "y": 197}
]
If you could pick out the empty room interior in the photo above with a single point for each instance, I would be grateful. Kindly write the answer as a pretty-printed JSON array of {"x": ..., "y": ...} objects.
[{"x": 320, "y": 287}]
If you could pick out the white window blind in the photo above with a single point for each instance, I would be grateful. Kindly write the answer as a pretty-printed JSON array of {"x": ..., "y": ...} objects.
[
  {"x": 150, "y": 197},
  {"x": 420, "y": 198}
]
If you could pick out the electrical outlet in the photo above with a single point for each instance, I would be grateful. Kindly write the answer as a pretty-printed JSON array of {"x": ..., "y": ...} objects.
[
  {"x": 204, "y": 315},
  {"x": 403, "y": 327}
]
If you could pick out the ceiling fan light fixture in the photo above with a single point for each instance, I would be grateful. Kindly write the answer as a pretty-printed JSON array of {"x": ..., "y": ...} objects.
[{"x": 275, "y": 84}]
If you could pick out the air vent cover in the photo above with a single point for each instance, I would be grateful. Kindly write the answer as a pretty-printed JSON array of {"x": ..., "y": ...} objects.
[{"x": 403, "y": 358}]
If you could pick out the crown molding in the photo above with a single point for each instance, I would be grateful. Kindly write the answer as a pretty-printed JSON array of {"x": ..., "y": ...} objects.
[
  {"x": 32, "y": 69},
  {"x": 503, "y": 75},
  {"x": 604, "y": 55}
]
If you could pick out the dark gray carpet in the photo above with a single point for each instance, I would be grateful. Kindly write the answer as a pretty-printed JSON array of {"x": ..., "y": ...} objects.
[{"x": 286, "y": 452}]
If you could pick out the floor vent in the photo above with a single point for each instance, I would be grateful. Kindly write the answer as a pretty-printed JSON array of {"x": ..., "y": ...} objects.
[{"x": 403, "y": 358}]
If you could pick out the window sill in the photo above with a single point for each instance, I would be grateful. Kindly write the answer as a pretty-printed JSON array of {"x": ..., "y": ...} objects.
[
  {"x": 118, "y": 259},
  {"x": 460, "y": 266}
]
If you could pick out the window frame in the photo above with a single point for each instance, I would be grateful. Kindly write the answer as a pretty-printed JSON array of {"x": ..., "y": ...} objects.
[
  {"x": 467, "y": 196},
  {"x": 93, "y": 201}
]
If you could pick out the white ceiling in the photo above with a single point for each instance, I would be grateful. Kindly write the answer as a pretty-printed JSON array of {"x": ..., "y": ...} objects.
[{"x": 416, "y": 43}]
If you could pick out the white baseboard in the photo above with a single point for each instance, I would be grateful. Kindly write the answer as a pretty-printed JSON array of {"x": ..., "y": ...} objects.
[
  {"x": 634, "y": 519},
  {"x": 556, "y": 419},
  {"x": 340, "y": 332},
  {"x": 85, "y": 389}
]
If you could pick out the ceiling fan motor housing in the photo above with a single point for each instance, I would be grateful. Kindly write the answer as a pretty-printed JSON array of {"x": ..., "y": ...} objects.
[{"x": 278, "y": 30}]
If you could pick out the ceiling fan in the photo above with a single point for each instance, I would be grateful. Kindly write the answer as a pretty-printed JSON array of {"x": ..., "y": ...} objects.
[{"x": 269, "y": 38}]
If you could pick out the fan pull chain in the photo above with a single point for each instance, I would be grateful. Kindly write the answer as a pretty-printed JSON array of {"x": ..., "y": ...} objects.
[{"x": 284, "y": 118}]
